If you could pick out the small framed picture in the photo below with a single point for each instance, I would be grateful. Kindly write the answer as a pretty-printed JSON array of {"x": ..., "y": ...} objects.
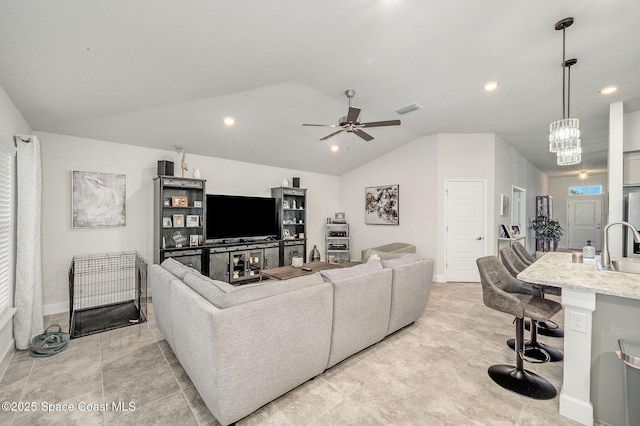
[
  {"x": 179, "y": 201},
  {"x": 200, "y": 238},
  {"x": 193, "y": 220},
  {"x": 505, "y": 232},
  {"x": 286, "y": 234},
  {"x": 285, "y": 204},
  {"x": 197, "y": 203},
  {"x": 515, "y": 229},
  {"x": 166, "y": 202},
  {"x": 193, "y": 240},
  {"x": 166, "y": 222},
  {"x": 340, "y": 217},
  {"x": 178, "y": 220}
]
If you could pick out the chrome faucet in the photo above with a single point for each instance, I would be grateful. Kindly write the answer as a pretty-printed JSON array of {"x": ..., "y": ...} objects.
[{"x": 605, "y": 259}]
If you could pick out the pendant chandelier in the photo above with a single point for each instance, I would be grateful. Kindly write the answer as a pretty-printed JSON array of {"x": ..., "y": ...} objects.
[{"x": 564, "y": 135}]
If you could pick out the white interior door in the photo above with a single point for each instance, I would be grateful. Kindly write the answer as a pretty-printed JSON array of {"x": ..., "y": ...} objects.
[
  {"x": 584, "y": 222},
  {"x": 465, "y": 239}
]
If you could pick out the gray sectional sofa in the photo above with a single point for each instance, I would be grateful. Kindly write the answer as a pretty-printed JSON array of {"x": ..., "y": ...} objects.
[{"x": 245, "y": 346}]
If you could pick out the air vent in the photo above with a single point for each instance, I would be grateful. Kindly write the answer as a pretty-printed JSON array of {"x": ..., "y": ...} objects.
[{"x": 409, "y": 108}]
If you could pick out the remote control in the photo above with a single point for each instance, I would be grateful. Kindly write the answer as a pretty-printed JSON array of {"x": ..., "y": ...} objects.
[{"x": 305, "y": 268}]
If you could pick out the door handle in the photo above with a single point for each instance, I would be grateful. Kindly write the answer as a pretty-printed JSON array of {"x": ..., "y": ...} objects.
[{"x": 478, "y": 238}]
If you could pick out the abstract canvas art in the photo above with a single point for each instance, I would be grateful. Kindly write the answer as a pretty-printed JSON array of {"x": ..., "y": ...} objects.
[
  {"x": 98, "y": 200},
  {"x": 382, "y": 205}
]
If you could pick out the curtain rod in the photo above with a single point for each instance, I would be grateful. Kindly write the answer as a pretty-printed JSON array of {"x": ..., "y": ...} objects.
[{"x": 22, "y": 138}]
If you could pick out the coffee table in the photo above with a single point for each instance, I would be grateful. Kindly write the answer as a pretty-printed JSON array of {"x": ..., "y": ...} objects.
[{"x": 288, "y": 272}]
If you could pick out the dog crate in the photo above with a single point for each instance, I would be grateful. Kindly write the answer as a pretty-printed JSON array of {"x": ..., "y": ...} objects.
[{"x": 106, "y": 291}]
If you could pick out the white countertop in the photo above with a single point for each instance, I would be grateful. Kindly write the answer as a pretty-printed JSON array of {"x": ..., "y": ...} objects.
[{"x": 556, "y": 269}]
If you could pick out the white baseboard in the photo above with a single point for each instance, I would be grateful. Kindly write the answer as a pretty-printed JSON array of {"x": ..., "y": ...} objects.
[
  {"x": 439, "y": 279},
  {"x": 55, "y": 308}
]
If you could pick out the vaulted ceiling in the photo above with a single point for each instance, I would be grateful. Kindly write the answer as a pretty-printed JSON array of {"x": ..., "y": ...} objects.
[{"x": 165, "y": 73}]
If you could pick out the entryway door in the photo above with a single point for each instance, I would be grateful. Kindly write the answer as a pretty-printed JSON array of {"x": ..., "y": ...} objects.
[
  {"x": 465, "y": 229},
  {"x": 584, "y": 222}
]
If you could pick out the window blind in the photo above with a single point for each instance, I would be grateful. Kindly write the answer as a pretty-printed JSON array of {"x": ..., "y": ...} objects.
[{"x": 5, "y": 228}]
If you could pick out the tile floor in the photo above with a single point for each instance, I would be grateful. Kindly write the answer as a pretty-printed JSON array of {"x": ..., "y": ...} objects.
[{"x": 430, "y": 373}]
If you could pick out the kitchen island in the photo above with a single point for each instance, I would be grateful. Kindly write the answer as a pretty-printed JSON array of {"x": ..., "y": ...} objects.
[{"x": 581, "y": 285}]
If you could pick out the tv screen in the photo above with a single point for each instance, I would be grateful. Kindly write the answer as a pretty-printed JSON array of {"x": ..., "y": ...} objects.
[{"x": 237, "y": 217}]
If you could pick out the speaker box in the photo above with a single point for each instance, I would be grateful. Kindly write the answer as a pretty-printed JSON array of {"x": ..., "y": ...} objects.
[
  {"x": 296, "y": 182},
  {"x": 165, "y": 168}
]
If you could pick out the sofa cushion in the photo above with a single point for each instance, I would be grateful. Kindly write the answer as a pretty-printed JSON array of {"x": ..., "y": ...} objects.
[
  {"x": 352, "y": 271},
  {"x": 204, "y": 286},
  {"x": 209, "y": 289},
  {"x": 177, "y": 268},
  {"x": 401, "y": 260}
]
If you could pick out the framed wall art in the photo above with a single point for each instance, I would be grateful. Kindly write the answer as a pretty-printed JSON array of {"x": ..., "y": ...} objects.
[
  {"x": 98, "y": 200},
  {"x": 504, "y": 205},
  {"x": 382, "y": 205}
]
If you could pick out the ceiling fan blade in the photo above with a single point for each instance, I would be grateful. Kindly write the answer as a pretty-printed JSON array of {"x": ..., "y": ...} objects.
[
  {"x": 321, "y": 125},
  {"x": 381, "y": 123},
  {"x": 331, "y": 135},
  {"x": 353, "y": 114},
  {"x": 364, "y": 135}
]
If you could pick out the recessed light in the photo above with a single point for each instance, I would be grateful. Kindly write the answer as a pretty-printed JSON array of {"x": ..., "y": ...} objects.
[
  {"x": 609, "y": 90},
  {"x": 334, "y": 148},
  {"x": 491, "y": 86},
  {"x": 229, "y": 121}
]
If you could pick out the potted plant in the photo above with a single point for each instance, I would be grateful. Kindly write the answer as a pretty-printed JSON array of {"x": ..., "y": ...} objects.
[{"x": 548, "y": 232}]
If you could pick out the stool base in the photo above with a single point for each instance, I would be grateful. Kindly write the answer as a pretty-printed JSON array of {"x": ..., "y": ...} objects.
[
  {"x": 522, "y": 381},
  {"x": 536, "y": 350}
]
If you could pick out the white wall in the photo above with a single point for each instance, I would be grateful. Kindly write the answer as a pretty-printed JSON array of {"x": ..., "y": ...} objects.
[
  {"x": 465, "y": 156},
  {"x": 414, "y": 167},
  {"x": 512, "y": 169},
  {"x": 11, "y": 123},
  {"x": 422, "y": 168},
  {"x": 63, "y": 154}
]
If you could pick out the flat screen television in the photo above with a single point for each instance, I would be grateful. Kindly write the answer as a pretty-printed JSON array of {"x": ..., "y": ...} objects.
[{"x": 232, "y": 217}]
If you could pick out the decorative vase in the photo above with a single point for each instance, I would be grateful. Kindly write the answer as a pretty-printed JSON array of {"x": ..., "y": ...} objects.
[
  {"x": 285, "y": 183},
  {"x": 315, "y": 254},
  {"x": 197, "y": 174}
]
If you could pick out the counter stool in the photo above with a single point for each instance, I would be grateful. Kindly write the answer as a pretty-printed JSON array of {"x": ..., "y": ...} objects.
[
  {"x": 533, "y": 348},
  {"x": 549, "y": 328},
  {"x": 502, "y": 292}
]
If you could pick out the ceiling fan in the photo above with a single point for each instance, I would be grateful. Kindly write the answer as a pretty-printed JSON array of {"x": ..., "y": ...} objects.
[{"x": 350, "y": 123}]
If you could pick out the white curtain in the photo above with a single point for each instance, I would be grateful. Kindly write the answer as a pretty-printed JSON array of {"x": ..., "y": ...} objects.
[{"x": 28, "y": 320}]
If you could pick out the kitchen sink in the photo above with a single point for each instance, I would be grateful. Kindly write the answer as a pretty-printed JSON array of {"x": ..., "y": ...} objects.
[{"x": 626, "y": 264}]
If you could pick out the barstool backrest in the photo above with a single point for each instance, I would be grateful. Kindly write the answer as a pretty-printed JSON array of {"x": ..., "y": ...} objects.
[
  {"x": 523, "y": 254},
  {"x": 511, "y": 261},
  {"x": 498, "y": 287}
]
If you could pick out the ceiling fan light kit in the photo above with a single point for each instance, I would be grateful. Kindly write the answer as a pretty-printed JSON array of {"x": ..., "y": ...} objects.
[
  {"x": 350, "y": 123},
  {"x": 564, "y": 135}
]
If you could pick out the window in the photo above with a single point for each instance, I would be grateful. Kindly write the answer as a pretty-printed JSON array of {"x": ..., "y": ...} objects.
[
  {"x": 6, "y": 206},
  {"x": 585, "y": 190}
]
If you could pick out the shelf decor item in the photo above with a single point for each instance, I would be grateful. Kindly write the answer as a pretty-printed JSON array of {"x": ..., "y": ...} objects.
[
  {"x": 315, "y": 254},
  {"x": 382, "y": 205},
  {"x": 193, "y": 220},
  {"x": 179, "y": 201},
  {"x": 166, "y": 222},
  {"x": 178, "y": 220}
]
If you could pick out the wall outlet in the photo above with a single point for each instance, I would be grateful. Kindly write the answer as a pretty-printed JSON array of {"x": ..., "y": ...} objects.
[{"x": 578, "y": 322}]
